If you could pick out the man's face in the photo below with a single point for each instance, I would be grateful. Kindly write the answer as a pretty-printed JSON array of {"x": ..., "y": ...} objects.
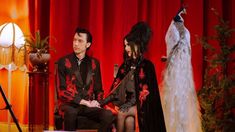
[{"x": 80, "y": 43}]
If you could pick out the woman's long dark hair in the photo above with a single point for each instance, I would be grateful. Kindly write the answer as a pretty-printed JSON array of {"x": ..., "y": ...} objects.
[{"x": 139, "y": 36}]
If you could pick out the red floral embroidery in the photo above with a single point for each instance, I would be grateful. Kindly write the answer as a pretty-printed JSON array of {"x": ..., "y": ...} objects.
[
  {"x": 67, "y": 79},
  {"x": 143, "y": 94},
  {"x": 100, "y": 96},
  {"x": 67, "y": 63},
  {"x": 117, "y": 81},
  {"x": 71, "y": 88},
  {"x": 141, "y": 74},
  {"x": 64, "y": 94},
  {"x": 145, "y": 87},
  {"x": 91, "y": 88},
  {"x": 93, "y": 65},
  {"x": 73, "y": 77},
  {"x": 122, "y": 71}
]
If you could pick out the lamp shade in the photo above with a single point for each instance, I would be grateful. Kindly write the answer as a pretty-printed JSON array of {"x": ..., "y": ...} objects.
[
  {"x": 11, "y": 40},
  {"x": 11, "y": 34}
]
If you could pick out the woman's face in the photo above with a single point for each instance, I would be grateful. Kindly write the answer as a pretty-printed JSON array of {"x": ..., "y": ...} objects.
[{"x": 129, "y": 51}]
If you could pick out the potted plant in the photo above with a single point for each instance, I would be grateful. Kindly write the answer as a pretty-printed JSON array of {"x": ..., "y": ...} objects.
[
  {"x": 38, "y": 50},
  {"x": 217, "y": 97}
]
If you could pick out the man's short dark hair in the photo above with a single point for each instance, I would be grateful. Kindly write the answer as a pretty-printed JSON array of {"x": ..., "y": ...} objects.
[{"x": 83, "y": 30}]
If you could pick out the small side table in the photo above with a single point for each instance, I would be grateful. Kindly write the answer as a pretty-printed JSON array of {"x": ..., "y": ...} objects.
[{"x": 38, "y": 101}]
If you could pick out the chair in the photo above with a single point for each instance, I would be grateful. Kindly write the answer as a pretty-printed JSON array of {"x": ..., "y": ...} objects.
[{"x": 82, "y": 122}]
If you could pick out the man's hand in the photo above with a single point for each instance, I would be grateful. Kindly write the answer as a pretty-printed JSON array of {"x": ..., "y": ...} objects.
[
  {"x": 93, "y": 103},
  {"x": 85, "y": 102}
]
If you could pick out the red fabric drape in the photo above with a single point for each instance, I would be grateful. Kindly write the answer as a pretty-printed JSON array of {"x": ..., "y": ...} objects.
[
  {"x": 110, "y": 20},
  {"x": 39, "y": 16}
]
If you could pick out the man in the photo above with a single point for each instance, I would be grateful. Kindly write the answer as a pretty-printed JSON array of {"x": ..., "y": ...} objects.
[{"x": 80, "y": 86}]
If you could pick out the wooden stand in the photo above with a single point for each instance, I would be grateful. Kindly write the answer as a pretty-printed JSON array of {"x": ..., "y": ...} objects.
[{"x": 38, "y": 101}]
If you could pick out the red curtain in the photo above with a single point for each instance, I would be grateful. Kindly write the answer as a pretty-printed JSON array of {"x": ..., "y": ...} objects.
[{"x": 110, "y": 20}]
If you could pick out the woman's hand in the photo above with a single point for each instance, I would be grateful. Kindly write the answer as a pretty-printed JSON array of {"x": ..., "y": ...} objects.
[{"x": 125, "y": 107}]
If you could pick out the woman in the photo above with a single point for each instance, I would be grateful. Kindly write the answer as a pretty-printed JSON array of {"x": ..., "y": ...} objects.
[{"x": 135, "y": 90}]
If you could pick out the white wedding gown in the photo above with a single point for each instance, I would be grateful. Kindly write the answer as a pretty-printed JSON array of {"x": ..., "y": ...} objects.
[{"x": 180, "y": 104}]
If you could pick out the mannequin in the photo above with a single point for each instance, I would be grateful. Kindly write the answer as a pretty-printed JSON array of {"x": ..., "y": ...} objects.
[{"x": 180, "y": 104}]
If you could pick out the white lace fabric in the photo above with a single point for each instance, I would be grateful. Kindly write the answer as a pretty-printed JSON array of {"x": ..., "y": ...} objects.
[{"x": 180, "y": 104}]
